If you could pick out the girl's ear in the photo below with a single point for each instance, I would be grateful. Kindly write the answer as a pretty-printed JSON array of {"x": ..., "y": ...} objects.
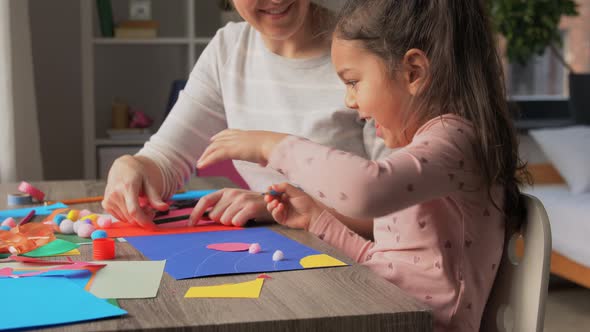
[{"x": 417, "y": 69}]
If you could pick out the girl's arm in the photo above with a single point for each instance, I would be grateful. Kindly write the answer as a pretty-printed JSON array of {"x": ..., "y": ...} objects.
[{"x": 436, "y": 163}]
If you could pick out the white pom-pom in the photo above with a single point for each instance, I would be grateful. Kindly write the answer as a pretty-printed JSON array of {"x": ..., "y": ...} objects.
[
  {"x": 278, "y": 256},
  {"x": 66, "y": 226}
]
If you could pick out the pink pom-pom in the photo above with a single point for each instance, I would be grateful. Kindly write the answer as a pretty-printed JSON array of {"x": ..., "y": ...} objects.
[
  {"x": 85, "y": 230},
  {"x": 84, "y": 213},
  {"x": 10, "y": 222},
  {"x": 254, "y": 248},
  {"x": 104, "y": 222}
]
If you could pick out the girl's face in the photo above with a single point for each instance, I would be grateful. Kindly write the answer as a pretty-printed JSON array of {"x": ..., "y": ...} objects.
[
  {"x": 371, "y": 90},
  {"x": 275, "y": 19}
]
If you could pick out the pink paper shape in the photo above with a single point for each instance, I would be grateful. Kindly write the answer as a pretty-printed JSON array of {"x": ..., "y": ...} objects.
[{"x": 229, "y": 246}]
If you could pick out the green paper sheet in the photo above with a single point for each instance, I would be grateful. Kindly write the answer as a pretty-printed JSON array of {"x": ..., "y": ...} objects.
[
  {"x": 114, "y": 302},
  {"x": 73, "y": 238},
  {"x": 128, "y": 279},
  {"x": 54, "y": 247}
]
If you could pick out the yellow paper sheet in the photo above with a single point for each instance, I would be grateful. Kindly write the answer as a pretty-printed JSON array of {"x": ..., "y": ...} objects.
[
  {"x": 321, "y": 260},
  {"x": 248, "y": 289},
  {"x": 73, "y": 252}
]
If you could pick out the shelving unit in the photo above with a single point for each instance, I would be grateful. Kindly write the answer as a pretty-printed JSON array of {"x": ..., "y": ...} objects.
[{"x": 139, "y": 71}]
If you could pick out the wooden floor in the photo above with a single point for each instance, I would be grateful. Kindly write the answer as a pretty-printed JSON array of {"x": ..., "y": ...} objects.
[{"x": 568, "y": 307}]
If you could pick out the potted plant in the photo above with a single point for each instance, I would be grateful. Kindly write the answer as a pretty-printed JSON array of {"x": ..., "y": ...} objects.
[{"x": 532, "y": 26}]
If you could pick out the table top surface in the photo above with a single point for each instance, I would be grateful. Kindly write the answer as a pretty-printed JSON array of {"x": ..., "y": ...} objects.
[{"x": 350, "y": 298}]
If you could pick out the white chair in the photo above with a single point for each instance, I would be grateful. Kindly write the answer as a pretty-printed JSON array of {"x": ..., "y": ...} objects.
[{"x": 517, "y": 299}]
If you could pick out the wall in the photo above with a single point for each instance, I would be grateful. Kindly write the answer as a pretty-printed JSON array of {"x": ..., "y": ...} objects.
[
  {"x": 55, "y": 35},
  {"x": 578, "y": 40}
]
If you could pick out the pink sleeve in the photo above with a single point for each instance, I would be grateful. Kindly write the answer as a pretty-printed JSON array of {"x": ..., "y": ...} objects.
[
  {"x": 331, "y": 230},
  {"x": 436, "y": 163}
]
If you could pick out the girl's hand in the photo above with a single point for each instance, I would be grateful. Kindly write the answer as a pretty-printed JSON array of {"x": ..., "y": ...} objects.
[
  {"x": 294, "y": 208},
  {"x": 249, "y": 145},
  {"x": 231, "y": 207}
]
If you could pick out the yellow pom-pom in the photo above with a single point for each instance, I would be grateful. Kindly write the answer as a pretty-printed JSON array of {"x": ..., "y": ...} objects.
[{"x": 73, "y": 215}]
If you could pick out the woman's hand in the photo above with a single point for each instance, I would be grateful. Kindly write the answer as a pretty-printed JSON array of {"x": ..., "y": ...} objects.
[
  {"x": 131, "y": 193},
  {"x": 293, "y": 208},
  {"x": 249, "y": 145},
  {"x": 231, "y": 207}
]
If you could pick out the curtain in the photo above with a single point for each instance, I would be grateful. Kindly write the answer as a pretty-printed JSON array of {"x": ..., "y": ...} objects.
[{"x": 20, "y": 152}]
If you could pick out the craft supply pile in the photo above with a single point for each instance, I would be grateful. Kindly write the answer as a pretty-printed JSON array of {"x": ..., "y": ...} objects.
[{"x": 29, "y": 235}]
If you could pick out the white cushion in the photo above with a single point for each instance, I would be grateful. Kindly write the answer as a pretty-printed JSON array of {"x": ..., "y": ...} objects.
[{"x": 568, "y": 149}]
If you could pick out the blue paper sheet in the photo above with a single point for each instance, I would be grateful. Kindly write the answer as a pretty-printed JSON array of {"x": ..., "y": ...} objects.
[
  {"x": 187, "y": 255},
  {"x": 39, "y": 211},
  {"x": 43, "y": 301},
  {"x": 78, "y": 277},
  {"x": 192, "y": 194}
]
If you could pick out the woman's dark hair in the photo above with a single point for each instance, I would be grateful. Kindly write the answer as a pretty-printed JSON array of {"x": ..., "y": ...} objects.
[{"x": 465, "y": 77}]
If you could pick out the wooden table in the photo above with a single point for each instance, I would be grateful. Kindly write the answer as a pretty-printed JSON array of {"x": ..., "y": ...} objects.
[{"x": 332, "y": 299}]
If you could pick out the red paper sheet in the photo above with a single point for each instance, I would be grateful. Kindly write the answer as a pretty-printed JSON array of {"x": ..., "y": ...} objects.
[{"x": 122, "y": 229}]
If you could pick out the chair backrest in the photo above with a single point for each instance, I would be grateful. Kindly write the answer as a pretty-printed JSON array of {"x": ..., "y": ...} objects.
[{"x": 517, "y": 300}]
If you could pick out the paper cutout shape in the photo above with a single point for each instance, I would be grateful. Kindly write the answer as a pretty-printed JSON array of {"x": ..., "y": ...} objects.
[
  {"x": 186, "y": 255},
  {"x": 229, "y": 246},
  {"x": 191, "y": 194},
  {"x": 246, "y": 290},
  {"x": 82, "y": 277},
  {"x": 52, "y": 248},
  {"x": 36, "y": 302},
  {"x": 39, "y": 210},
  {"x": 123, "y": 229},
  {"x": 74, "y": 238},
  {"x": 321, "y": 260},
  {"x": 74, "y": 252},
  {"x": 128, "y": 279}
]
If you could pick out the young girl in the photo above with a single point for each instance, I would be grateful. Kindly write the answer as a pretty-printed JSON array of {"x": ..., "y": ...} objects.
[
  {"x": 428, "y": 73},
  {"x": 271, "y": 72}
]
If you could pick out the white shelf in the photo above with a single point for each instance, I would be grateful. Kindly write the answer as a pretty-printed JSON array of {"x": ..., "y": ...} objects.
[
  {"x": 138, "y": 70},
  {"x": 152, "y": 41}
]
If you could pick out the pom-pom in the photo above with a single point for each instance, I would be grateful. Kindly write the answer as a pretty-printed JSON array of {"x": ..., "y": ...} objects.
[
  {"x": 59, "y": 218},
  {"x": 99, "y": 234},
  {"x": 76, "y": 226},
  {"x": 85, "y": 230},
  {"x": 104, "y": 222},
  {"x": 84, "y": 213},
  {"x": 10, "y": 222},
  {"x": 73, "y": 215},
  {"x": 278, "y": 256},
  {"x": 254, "y": 248},
  {"x": 66, "y": 226}
]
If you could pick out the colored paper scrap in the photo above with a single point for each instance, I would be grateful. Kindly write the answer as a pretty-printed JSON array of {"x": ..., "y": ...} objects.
[
  {"x": 229, "y": 246},
  {"x": 187, "y": 255},
  {"x": 248, "y": 290},
  {"x": 74, "y": 238},
  {"x": 123, "y": 229},
  {"x": 74, "y": 252},
  {"x": 36, "y": 302},
  {"x": 128, "y": 279},
  {"x": 321, "y": 260},
  {"x": 52, "y": 248},
  {"x": 191, "y": 194},
  {"x": 40, "y": 210}
]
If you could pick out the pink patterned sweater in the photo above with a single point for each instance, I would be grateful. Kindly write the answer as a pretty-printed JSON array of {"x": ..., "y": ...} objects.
[{"x": 437, "y": 234}]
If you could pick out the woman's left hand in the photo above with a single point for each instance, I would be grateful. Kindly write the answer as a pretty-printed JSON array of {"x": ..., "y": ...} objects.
[{"x": 249, "y": 145}]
